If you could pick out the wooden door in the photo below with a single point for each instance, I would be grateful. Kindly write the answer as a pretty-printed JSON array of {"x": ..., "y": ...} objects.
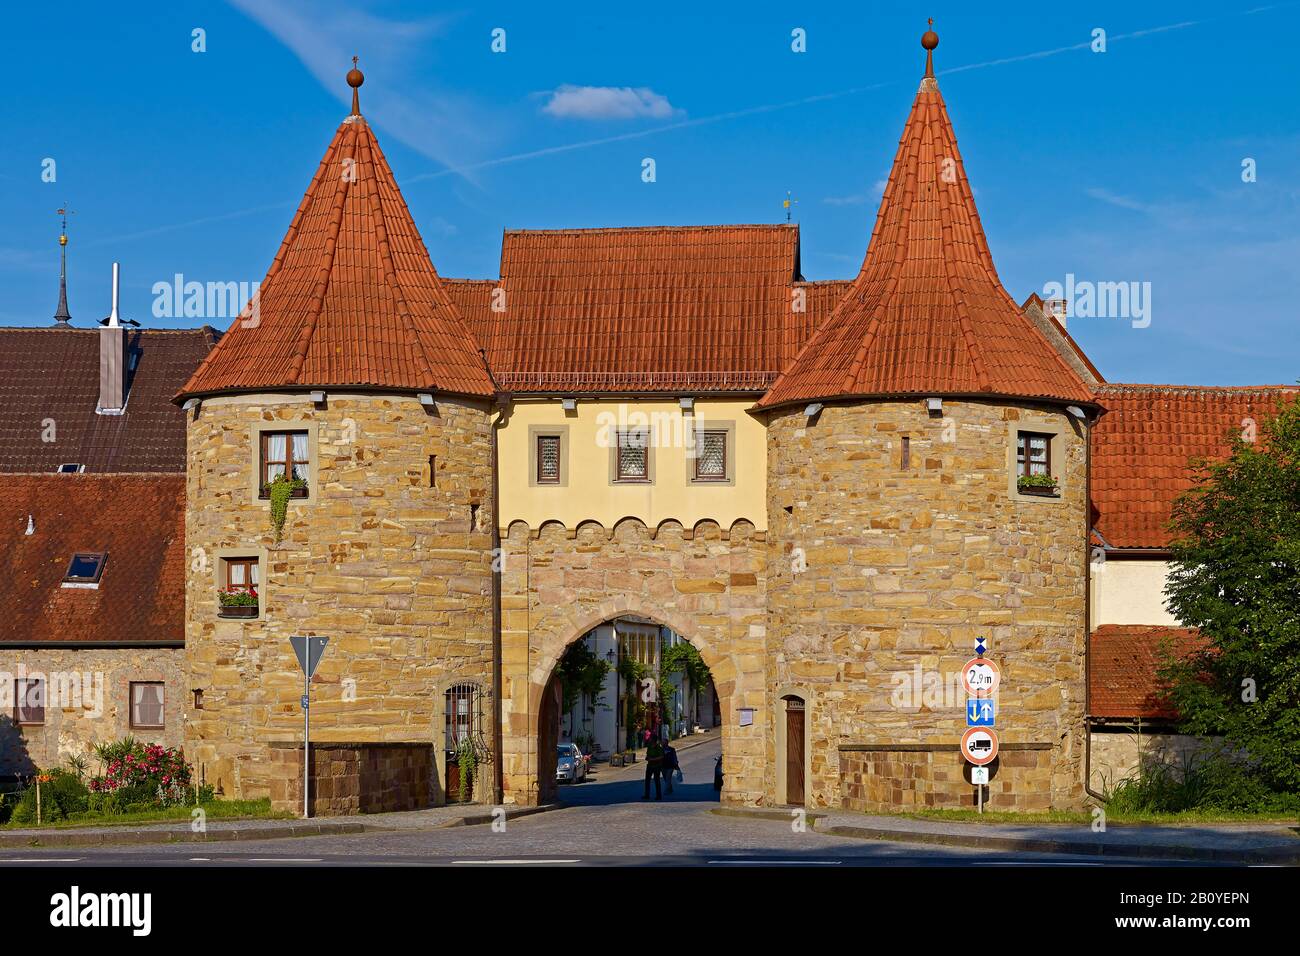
[{"x": 794, "y": 755}]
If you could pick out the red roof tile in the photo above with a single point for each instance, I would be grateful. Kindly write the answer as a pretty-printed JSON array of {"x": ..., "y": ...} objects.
[
  {"x": 658, "y": 308},
  {"x": 1142, "y": 445},
  {"x": 139, "y": 520},
  {"x": 352, "y": 298},
  {"x": 1124, "y": 661},
  {"x": 927, "y": 314},
  {"x": 53, "y": 375}
]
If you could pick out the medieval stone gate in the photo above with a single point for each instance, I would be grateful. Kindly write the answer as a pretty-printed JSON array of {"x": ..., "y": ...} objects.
[{"x": 707, "y": 583}]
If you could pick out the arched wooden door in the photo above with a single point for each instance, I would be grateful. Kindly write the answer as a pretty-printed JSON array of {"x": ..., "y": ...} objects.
[{"x": 794, "y": 750}]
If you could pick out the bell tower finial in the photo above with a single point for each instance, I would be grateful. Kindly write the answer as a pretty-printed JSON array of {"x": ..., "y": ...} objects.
[{"x": 355, "y": 79}]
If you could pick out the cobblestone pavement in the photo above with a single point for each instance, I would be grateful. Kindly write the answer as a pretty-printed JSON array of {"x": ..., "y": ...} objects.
[{"x": 605, "y": 822}]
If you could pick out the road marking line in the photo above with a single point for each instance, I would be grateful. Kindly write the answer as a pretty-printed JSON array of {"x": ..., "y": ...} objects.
[
  {"x": 284, "y": 859},
  {"x": 43, "y": 859},
  {"x": 507, "y": 862},
  {"x": 776, "y": 862}
]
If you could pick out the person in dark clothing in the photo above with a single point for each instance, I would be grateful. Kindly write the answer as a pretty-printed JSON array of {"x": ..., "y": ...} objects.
[
  {"x": 670, "y": 765},
  {"x": 654, "y": 763}
]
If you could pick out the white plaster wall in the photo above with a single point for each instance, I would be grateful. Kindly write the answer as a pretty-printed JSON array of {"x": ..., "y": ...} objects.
[{"x": 1129, "y": 592}]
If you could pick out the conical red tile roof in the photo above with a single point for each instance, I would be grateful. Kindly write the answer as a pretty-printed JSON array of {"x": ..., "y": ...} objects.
[
  {"x": 927, "y": 315},
  {"x": 352, "y": 298}
]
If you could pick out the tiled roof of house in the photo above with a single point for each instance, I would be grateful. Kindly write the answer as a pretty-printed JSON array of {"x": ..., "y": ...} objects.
[
  {"x": 1125, "y": 659},
  {"x": 927, "y": 314},
  {"x": 139, "y": 520},
  {"x": 1143, "y": 443},
  {"x": 352, "y": 298},
  {"x": 658, "y": 308},
  {"x": 49, "y": 387}
]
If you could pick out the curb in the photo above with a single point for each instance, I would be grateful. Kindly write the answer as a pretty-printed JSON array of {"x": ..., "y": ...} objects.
[
  {"x": 1040, "y": 845},
  {"x": 985, "y": 841},
  {"x": 126, "y": 836},
  {"x": 74, "y": 838}
]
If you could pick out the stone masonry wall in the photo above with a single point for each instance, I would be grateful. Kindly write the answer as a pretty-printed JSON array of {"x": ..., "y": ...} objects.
[
  {"x": 396, "y": 573},
  {"x": 880, "y": 577},
  {"x": 348, "y": 779},
  {"x": 706, "y": 583},
  {"x": 87, "y": 702},
  {"x": 924, "y": 777}
]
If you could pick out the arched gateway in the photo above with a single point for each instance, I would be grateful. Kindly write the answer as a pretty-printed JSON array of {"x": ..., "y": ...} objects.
[{"x": 557, "y": 585}]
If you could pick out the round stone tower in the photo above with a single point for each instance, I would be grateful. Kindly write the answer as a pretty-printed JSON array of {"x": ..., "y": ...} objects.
[
  {"x": 350, "y": 385},
  {"x": 927, "y": 485}
]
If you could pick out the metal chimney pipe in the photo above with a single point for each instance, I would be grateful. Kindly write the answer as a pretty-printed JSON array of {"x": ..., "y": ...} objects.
[{"x": 112, "y": 360}]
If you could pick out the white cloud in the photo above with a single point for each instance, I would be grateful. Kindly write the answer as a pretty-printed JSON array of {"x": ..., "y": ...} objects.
[{"x": 608, "y": 102}]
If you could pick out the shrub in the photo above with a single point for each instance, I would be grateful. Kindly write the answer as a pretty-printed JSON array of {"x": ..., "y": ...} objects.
[
  {"x": 1216, "y": 782},
  {"x": 62, "y": 795},
  {"x": 137, "y": 773}
]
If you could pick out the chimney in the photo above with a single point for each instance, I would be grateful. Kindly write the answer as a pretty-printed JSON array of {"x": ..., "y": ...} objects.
[{"x": 112, "y": 360}]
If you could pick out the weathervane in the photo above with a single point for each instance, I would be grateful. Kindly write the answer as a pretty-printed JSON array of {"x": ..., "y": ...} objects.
[
  {"x": 788, "y": 204},
  {"x": 61, "y": 315}
]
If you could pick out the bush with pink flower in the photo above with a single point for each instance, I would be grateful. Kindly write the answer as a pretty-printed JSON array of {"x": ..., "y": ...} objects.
[{"x": 138, "y": 773}]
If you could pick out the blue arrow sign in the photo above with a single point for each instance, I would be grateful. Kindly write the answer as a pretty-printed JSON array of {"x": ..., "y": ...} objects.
[{"x": 980, "y": 711}]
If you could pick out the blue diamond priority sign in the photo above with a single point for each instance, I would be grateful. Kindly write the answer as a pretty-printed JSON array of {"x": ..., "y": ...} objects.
[{"x": 980, "y": 647}]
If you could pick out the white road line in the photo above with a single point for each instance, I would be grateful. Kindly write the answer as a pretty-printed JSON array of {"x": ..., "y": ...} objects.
[
  {"x": 507, "y": 862},
  {"x": 774, "y": 862},
  {"x": 200, "y": 859},
  {"x": 284, "y": 859},
  {"x": 42, "y": 859}
]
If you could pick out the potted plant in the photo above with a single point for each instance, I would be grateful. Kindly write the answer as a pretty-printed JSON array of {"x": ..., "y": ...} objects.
[
  {"x": 237, "y": 602},
  {"x": 1042, "y": 485}
]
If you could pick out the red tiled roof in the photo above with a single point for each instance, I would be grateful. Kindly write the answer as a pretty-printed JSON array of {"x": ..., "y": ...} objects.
[
  {"x": 1124, "y": 661},
  {"x": 1142, "y": 445},
  {"x": 657, "y": 308},
  {"x": 927, "y": 314},
  {"x": 139, "y": 520},
  {"x": 52, "y": 374},
  {"x": 352, "y": 298}
]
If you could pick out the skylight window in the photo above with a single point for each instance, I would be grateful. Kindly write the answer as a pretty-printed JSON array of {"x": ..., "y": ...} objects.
[
  {"x": 71, "y": 468},
  {"x": 85, "y": 569}
]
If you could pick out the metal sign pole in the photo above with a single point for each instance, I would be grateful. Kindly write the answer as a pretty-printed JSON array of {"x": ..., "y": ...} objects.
[{"x": 306, "y": 740}]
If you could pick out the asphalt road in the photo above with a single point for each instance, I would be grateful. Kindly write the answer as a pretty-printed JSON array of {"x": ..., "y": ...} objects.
[{"x": 606, "y": 823}]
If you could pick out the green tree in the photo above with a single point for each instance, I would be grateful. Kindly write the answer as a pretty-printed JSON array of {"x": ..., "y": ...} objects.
[
  {"x": 581, "y": 671},
  {"x": 1236, "y": 577},
  {"x": 685, "y": 658}
]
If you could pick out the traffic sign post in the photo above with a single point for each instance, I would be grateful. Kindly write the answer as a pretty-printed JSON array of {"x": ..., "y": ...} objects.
[
  {"x": 309, "y": 651},
  {"x": 979, "y": 745}
]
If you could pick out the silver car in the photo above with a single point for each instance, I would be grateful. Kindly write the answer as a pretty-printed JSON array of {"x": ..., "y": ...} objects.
[{"x": 571, "y": 765}]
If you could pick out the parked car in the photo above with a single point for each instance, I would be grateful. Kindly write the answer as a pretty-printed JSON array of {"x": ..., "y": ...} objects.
[{"x": 570, "y": 765}]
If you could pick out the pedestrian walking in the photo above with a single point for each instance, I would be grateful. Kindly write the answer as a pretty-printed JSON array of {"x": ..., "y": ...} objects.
[
  {"x": 670, "y": 766},
  {"x": 654, "y": 765}
]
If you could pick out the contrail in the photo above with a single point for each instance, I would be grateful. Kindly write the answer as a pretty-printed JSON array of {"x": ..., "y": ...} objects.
[{"x": 723, "y": 117}]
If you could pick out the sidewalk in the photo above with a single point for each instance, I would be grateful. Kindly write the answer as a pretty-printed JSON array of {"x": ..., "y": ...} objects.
[
  {"x": 1218, "y": 843},
  {"x": 216, "y": 831}
]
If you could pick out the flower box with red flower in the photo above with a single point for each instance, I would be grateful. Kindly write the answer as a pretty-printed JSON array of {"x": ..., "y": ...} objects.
[{"x": 238, "y": 602}]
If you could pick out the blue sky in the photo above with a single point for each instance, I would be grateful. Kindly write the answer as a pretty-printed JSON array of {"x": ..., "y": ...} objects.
[{"x": 1115, "y": 166}]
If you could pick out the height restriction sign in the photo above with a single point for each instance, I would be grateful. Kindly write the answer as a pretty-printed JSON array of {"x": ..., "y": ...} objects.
[{"x": 980, "y": 677}]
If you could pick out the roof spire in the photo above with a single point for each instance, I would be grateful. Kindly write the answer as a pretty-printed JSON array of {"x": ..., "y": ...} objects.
[
  {"x": 355, "y": 79},
  {"x": 929, "y": 40},
  {"x": 61, "y": 315}
]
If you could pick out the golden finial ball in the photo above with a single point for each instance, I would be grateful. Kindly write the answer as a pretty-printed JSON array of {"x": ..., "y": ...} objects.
[
  {"x": 63, "y": 240},
  {"x": 929, "y": 39}
]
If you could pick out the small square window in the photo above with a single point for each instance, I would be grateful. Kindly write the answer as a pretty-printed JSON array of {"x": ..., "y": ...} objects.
[
  {"x": 633, "y": 459},
  {"x": 1033, "y": 454},
  {"x": 147, "y": 705},
  {"x": 86, "y": 567},
  {"x": 284, "y": 453},
  {"x": 29, "y": 701},
  {"x": 548, "y": 459},
  {"x": 71, "y": 468},
  {"x": 711, "y": 456}
]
